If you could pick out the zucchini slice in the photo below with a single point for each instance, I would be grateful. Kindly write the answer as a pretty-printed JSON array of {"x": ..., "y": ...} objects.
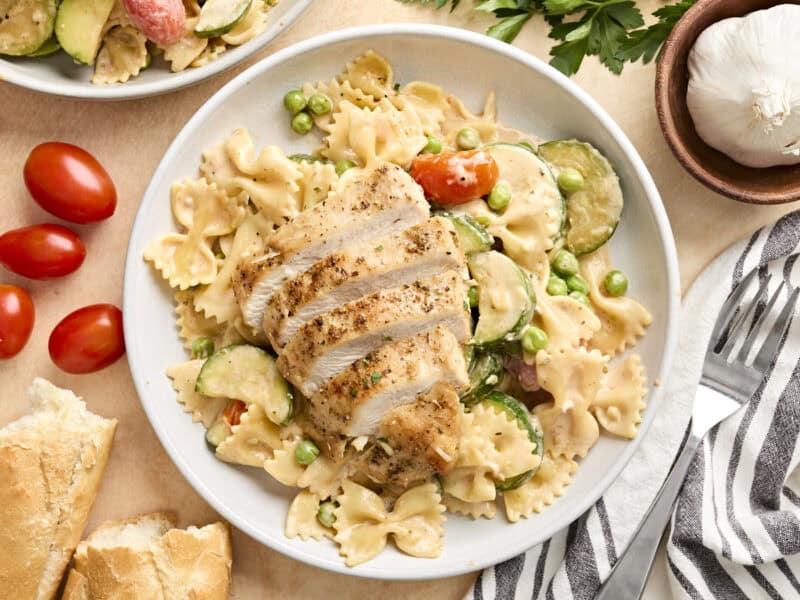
[
  {"x": 517, "y": 410},
  {"x": 25, "y": 25},
  {"x": 249, "y": 374},
  {"x": 218, "y": 17},
  {"x": 79, "y": 27},
  {"x": 51, "y": 46},
  {"x": 594, "y": 211},
  {"x": 531, "y": 180},
  {"x": 505, "y": 298},
  {"x": 471, "y": 236},
  {"x": 485, "y": 373},
  {"x": 217, "y": 433}
]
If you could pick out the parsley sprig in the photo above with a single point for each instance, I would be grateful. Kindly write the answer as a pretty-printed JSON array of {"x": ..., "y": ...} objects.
[{"x": 612, "y": 30}]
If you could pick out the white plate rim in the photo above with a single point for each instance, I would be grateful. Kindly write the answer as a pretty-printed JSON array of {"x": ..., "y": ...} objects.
[
  {"x": 171, "y": 82},
  {"x": 427, "y": 567}
]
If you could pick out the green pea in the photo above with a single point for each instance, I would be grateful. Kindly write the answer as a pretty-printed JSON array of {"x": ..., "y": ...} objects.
[
  {"x": 500, "y": 196},
  {"x": 320, "y": 104},
  {"x": 294, "y": 101},
  {"x": 202, "y": 347},
  {"x": 557, "y": 286},
  {"x": 306, "y": 452},
  {"x": 468, "y": 139},
  {"x": 302, "y": 123},
  {"x": 576, "y": 283},
  {"x": 533, "y": 340},
  {"x": 472, "y": 294},
  {"x": 343, "y": 165},
  {"x": 434, "y": 145},
  {"x": 570, "y": 180},
  {"x": 326, "y": 513},
  {"x": 616, "y": 283},
  {"x": 565, "y": 263},
  {"x": 582, "y": 298},
  {"x": 483, "y": 220}
]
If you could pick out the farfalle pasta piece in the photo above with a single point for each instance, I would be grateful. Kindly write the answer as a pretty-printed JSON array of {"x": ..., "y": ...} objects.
[
  {"x": 217, "y": 299},
  {"x": 268, "y": 177},
  {"x": 429, "y": 102},
  {"x": 513, "y": 451},
  {"x": 192, "y": 324},
  {"x": 252, "y": 24},
  {"x": 471, "y": 479},
  {"x": 384, "y": 133},
  {"x": 619, "y": 403},
  {"x": 566, "y": 321},
  {"x": 338, "y": 92},
  {"x": 123, "y": 55},
  {"x": 185, "y": 259},
  {"x": 363, "y": 524},
  {"x": 213, "y": 50},
  {"x": 253, "y": 441},
  {"x": 571, "y": 375},
  {"x": 623, "y": 320},
  {"x": 544, "y": 487},
  {"x": 322, "y": 477},
  {"x": 283, "y": 466},
  {"x": 186, "y": 50},
  {"x": 203, "y": 408},
  {"x": 370, "y": 73},
  {"x": 317, "y": 181},
  {"x": 476, "y": 510},
  {"x": 457, "y": 116},
  {"x": 567, "y": 433},
  {"x": 301, "y": 520}
]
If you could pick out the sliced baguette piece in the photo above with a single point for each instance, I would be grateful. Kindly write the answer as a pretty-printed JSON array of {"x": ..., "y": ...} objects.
[
  {"x": 416, "y": 253},
  {"x": 146, "y": 557},
  {"x": 51, "y": 464},
  {"x": 366, "y": 204}
]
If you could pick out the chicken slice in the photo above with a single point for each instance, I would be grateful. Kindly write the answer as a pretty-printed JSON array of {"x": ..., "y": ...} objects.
[
  {"x": 416, "y": 253},
  {"x": 365, "y": 205},
  {"x": 356, "y": 401},
  {"x": 329, "y": 343},
  {"x": 417, "y": 441}
]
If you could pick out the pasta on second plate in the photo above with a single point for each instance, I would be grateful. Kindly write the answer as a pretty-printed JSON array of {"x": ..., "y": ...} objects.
[{"x": 394, "y": 345}]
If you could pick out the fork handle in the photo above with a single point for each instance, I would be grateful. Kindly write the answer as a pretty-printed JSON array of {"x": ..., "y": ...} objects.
[{"x": 629, "y": 575}]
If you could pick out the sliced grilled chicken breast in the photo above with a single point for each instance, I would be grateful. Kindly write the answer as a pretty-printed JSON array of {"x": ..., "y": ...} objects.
[
  {"x": 356, "y": 401},
  {"x": 416, "y": 253},
  {"x": 365, "y": 205},
  {"x": 329, "y": 343},
  {"x": 421, "y": 439}
]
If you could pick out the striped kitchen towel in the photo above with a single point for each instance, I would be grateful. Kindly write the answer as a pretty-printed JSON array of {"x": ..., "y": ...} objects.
[{"x": 735, "y": 531}]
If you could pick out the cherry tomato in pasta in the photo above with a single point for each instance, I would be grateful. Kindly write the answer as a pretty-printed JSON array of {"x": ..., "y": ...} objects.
[
  {"x": 455, "y": 177},
  {"x": 233, "y": 412},
  {"x": 69, "y": 183}
]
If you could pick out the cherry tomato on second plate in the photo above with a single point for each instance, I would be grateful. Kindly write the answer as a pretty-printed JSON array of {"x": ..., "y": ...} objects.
[
  {"x": 69, "y": 183},
  {"x": 41, "y": 251},
  {"x": 16, "y": 320},
  {"x": 88, "y": 339},
  {"x": 233, "y": 412},
  {"x": 455, "y": 177}
]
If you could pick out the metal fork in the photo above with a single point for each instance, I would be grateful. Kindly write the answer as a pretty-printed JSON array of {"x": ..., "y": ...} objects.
[{"x": 728, "y": 382}]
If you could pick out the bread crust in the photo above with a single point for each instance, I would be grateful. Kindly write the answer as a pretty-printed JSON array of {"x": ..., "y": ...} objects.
[{"x": 51, "y": 465}]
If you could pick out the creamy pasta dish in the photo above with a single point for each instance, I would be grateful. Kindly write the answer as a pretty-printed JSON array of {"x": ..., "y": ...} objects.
[{"x": 418, "y": 317}]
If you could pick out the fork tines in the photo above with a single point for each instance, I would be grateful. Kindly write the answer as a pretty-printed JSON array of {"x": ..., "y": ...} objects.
[{"x": 735, "y": 314}]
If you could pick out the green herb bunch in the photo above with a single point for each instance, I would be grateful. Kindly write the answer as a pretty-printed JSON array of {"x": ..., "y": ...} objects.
[{"x": 612, "y": 30}]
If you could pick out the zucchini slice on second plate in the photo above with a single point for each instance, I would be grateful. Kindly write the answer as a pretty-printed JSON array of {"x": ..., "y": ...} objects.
[
  {"x": 249, "y": 374},
  {"x": 218, "y": 17},
  {"x": 593, "y": 211},
  {"x": 25, "y": 25}
]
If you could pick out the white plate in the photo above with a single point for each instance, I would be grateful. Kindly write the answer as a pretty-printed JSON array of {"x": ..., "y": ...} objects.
[
  {"x": 61, "y": 76},
  {"x": 531, "y": 96}
]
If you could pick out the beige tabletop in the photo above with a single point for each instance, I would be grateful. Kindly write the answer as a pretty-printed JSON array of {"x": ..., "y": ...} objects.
[{"x": 129, "y": 138}]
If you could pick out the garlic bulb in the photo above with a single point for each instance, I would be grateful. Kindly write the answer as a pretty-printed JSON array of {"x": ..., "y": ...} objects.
[{"x": 744, "y": 87}]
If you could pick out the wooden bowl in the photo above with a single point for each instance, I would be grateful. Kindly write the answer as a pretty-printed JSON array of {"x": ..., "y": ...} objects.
[{"x": 771, "y": 185}]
